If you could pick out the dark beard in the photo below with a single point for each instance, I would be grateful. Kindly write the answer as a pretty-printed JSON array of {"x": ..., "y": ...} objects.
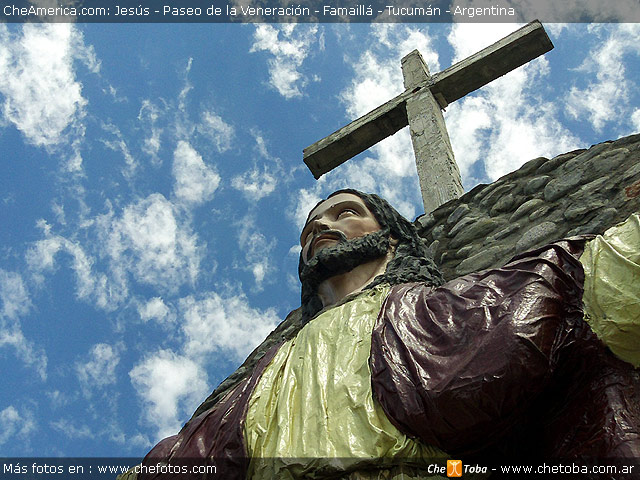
[{"x": 343, "y": 257}]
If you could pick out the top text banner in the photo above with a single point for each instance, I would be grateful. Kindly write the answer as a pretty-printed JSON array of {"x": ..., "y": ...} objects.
[{"x": 331, "y": 11}]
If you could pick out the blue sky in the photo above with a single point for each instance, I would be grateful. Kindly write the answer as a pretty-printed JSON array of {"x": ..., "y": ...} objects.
[{"x": 152, "y": 190}]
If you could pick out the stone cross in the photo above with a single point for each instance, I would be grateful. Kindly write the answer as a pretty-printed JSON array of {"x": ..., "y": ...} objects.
[{"x": 420, "y": 105}]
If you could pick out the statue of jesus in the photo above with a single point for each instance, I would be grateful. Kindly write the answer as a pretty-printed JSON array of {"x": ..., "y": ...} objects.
[{"x": 393, "y": 371}]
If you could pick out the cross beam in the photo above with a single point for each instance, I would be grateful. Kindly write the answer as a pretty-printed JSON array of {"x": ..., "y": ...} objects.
[{"x": 462, "y": 78}]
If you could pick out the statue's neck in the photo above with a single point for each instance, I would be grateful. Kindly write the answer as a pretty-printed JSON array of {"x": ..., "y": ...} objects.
[{"x": 334, "y": 289}]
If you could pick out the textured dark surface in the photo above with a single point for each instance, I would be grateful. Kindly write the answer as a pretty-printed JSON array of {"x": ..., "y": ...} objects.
[{"x": 581, "y": 192}]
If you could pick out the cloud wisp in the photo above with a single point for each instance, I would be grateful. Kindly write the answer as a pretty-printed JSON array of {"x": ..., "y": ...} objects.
[
  {"x": 15, "y": 424},
  {"x": 15, "y": 303},
  {"x": 605, "y": 98},
  {"x": 289, "y": 45},
  {"x": 263, "y": 177},
  {"x": 98, "y": 370}
]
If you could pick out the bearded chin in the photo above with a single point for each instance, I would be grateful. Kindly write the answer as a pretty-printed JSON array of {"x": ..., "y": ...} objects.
[{"x": 343, "y": 257}]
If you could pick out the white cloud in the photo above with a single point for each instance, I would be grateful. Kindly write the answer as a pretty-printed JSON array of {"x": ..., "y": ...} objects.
[
  {"x": 82, "y": 266},
  {"x": 605, "y": 100},
  {"x": 289, "y": 44},
  {"x": 120, "y": 145},
  {"x": 255, "y": 183},
  {"x": 42, "y": 98},
  {"x": 16, "y": 303},
  {"x": 304, "y": 200},
  {"x": 257, "y": 250},
  {"x": 70, "y": 429},
  {"x": 263, "y": 178},
  {"x": 195, "y": 182},
  {"x": 99, "y": 370},
  {"x": 113, "y": 91},
  {"x": 11, "y": 335},
  {"x": 228, "y": 324},
  {"x": 635, "y": 120},
  {"x": 14, "y": 425},
  {"x": 156, "y": 309},
  {"x": 220, "y": 132},
  {"x": 42, "y": 255},
  {"x": 152, "y": 243},
  {"x": 466, "y": 130},
  {"x": 261, "y": 146},
  {"x": 171, "y": 387},
  {"x": 376, "y": 82},
  {"x": 14, "y": 296},
  {"x": 58, "y": 399},
  {"x": 184, "y": 93},
  {"x": 74, "y": 162},
  {"x": 469, "y": 38},
  {"x": 293, "y": 282},
  {"x": 90, "y": 284},
  {"x": 138, "y": 440},
  {"x": 148, "y": 116},
  {"x": 107, "y": 430},
  {"x": 216, "y": 131},
  {"x": 58, "y": 211}
]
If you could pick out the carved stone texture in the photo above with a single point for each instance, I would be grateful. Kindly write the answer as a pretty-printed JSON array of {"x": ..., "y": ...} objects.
[{"x": 580, "y": 192}]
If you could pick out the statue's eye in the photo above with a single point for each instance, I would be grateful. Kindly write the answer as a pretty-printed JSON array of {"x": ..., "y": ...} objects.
[{"x": 347, "y": 211}]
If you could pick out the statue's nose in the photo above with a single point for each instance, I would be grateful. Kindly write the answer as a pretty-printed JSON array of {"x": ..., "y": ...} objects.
[{"x": 320, "y": 224}]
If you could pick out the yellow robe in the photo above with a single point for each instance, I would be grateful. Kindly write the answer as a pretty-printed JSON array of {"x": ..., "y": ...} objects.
[{"x": 313, "y": 413}]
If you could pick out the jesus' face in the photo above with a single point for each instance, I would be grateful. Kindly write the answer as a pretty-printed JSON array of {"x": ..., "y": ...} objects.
[{"x": 341, "y": 217}]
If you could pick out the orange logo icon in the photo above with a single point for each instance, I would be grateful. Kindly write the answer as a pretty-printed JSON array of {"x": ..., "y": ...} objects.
[{"x": 454, "y": 468}]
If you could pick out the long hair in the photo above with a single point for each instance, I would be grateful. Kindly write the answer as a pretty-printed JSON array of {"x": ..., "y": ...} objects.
[{"x": 411, "y": 262}]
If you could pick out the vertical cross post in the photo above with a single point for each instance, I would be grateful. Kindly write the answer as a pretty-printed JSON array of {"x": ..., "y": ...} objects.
[{"x": 437, "y": 169}]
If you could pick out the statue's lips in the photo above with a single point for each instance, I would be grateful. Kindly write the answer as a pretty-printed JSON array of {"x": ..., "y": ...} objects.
[{"x": 322, "y": 238}]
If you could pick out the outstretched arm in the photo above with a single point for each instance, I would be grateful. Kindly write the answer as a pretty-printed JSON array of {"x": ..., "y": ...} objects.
[
  {"x": 612, "y": 288},
  {"x": 504, "y": 358}
]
